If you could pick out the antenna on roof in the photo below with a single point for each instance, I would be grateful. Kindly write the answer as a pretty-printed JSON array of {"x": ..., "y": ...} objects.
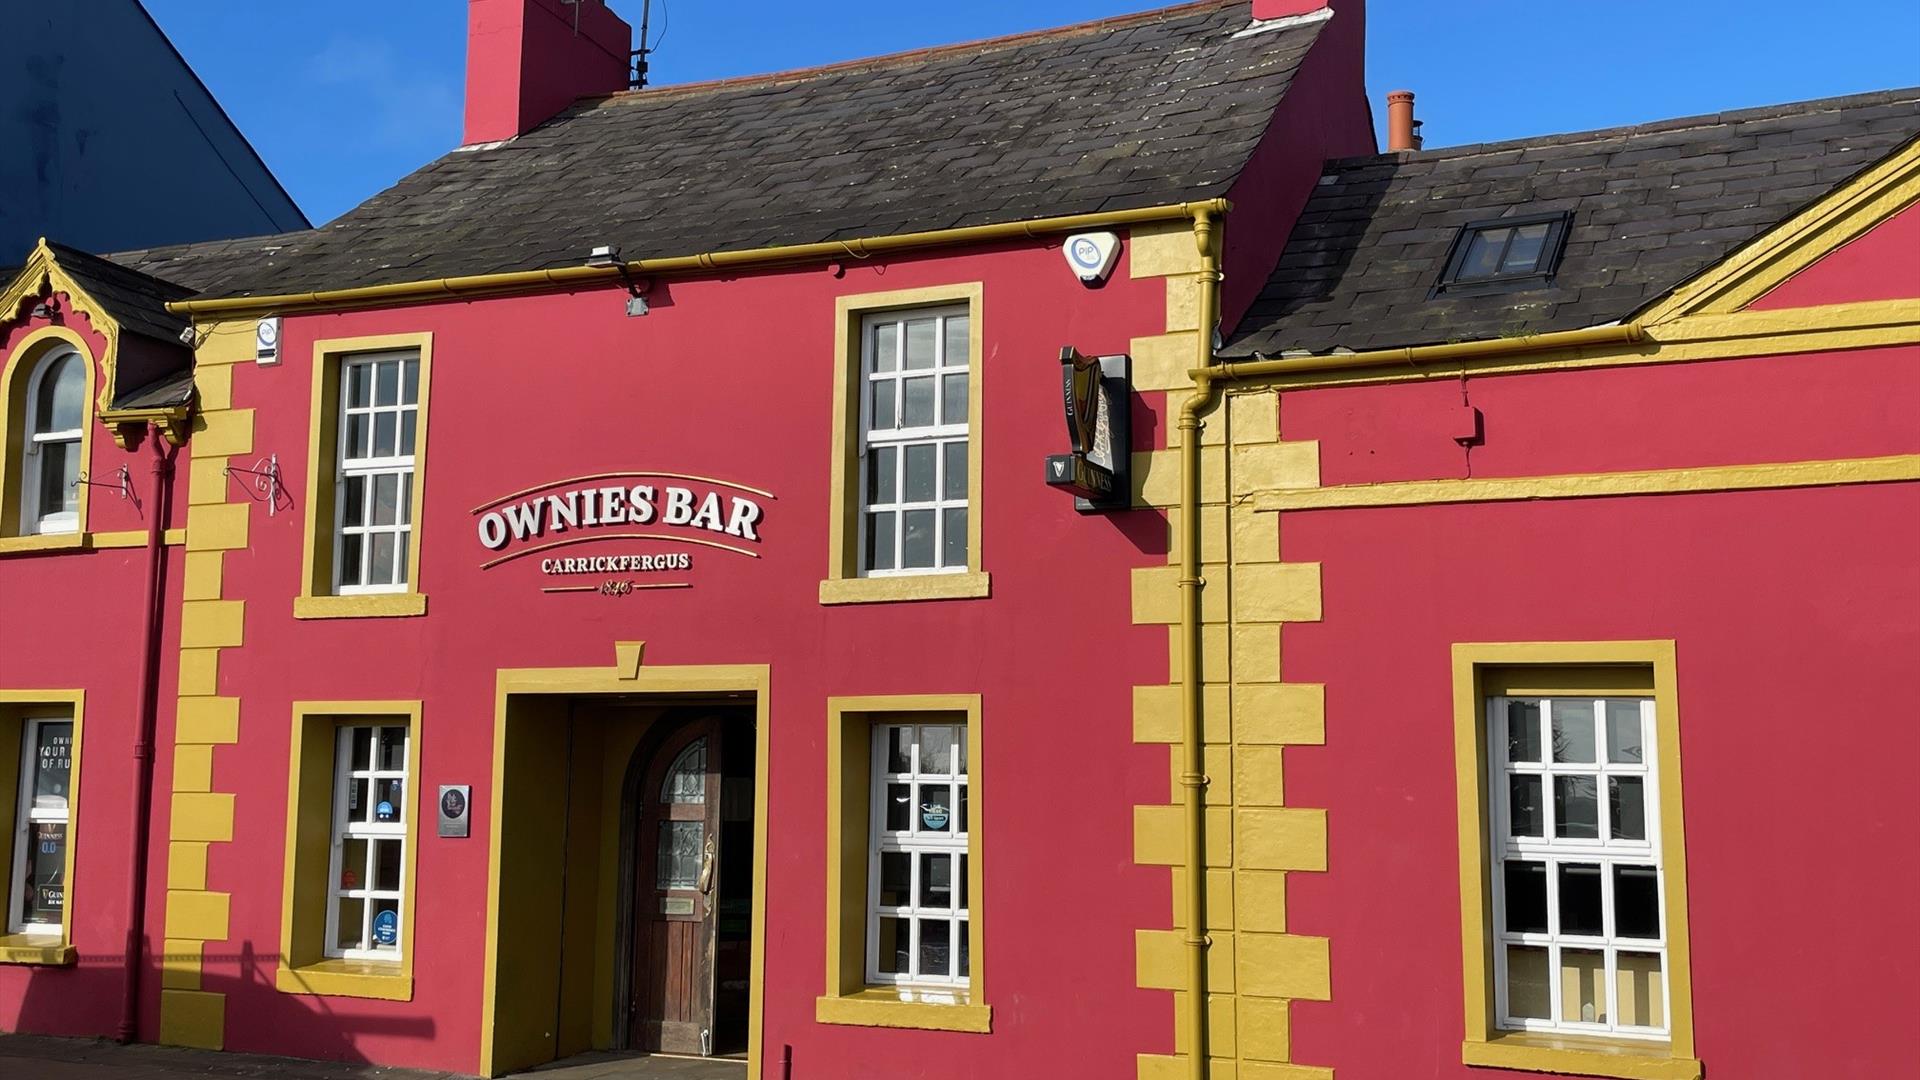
[{"x": 638, "y": 80}]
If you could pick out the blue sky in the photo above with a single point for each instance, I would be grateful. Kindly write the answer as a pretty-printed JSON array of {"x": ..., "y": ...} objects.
[{"x": 345, "y": 97}]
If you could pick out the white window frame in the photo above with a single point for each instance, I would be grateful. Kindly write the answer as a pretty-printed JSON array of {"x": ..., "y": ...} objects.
[
  {"x": 1553, "y": 851},
  {"x": 31, "y": 520},
  {"x": 916, "y": 841},
  {"x": 938, "y": 435},
  {"x": 346, "y": 827},
  {"x": 370, "y": 468},
  {"x": 26, "y": 816}
]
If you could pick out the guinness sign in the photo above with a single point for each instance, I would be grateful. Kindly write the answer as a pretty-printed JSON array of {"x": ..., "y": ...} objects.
[{"x": 1096, "y": 393}]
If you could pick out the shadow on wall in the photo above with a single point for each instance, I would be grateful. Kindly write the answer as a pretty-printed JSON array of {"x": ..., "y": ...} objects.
[{"x": 326, "y": 1029}]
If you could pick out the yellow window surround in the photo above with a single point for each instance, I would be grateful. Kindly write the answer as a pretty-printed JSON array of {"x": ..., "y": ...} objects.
[
  {"x": 848, "y": 998},
  {"x": 14, "y": 376},
  {"x": 1588, "y": 668},
  {"x": 843, "y": 583},
  {"x": 46, "y": 949},
  {"x": 317, "y": 599},
  {"x": 304, "y": 966}
]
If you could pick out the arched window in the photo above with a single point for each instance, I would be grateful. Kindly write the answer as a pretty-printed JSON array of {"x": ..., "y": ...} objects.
[
  {"x": 686, "y": 780},
  {"x": 55, "y": 414}
]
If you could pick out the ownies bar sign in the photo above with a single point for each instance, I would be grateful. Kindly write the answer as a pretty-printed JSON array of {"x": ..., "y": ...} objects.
[{"x": 654, "y": 516}]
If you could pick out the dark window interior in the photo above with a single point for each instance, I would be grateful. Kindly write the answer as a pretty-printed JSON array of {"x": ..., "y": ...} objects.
[{"x": 1503, "y": 254}]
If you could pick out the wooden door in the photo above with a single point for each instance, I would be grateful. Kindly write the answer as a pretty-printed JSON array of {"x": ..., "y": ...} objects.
[{"x": 675, "y": 899}]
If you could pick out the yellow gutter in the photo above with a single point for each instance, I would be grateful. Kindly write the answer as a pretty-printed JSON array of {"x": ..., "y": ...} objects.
[
  {"x": 574, "y": 276},
  {"x": 1193, "y": 778},
  {"x": 1417, "y": 355}
]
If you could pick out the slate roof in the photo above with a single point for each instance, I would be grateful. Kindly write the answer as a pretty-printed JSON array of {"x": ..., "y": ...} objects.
[
  {"x": 1135, "y": 111},
  {"x": 1652, "y": 206},
  {"x": 134, "y": 299}
]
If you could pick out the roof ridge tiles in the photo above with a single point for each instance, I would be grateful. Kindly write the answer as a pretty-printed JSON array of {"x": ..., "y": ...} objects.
[{"x": 1649, "y": 127}]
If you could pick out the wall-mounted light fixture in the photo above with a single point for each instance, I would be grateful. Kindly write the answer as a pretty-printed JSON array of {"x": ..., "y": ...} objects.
[
  {"x": 43, "y": 310},
  {"x": 608, "y": 255}
]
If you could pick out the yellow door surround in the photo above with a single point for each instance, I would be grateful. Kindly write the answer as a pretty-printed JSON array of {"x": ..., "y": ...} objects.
[{"x": 501, "y": 1007}]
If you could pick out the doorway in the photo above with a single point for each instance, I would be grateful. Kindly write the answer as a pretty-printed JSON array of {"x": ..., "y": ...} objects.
[
  {"x": 604, "y": 780},
  {"x": 688, "y": 846}
]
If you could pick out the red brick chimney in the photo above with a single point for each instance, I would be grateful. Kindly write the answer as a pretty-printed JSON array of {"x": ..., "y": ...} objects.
[{"x": 529, "y": 59}]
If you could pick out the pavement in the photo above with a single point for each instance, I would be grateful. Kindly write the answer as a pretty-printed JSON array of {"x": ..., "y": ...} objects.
[{"x": 41, "y": 1057}]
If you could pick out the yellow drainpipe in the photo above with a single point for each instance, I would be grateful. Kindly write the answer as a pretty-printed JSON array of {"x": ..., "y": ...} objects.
[
  {"x": 523, "y": 281},
  {"x": 1192, "y": 722}
]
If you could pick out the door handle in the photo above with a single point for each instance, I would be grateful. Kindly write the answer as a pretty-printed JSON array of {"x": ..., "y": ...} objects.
[{"x": 706, "y": 866}]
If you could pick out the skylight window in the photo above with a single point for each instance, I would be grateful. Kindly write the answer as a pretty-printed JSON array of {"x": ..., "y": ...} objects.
[{"x": 1505, "y": 253}]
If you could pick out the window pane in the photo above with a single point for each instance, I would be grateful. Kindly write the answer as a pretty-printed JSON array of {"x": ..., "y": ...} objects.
[
  {"x": 900, "y": 749},
  {"x": 386, "y": 499},
  {"x": 1523, "y": 731},
  {"x": 52, "y": 765},
  {"x": 386, "y": 383},
  {"x": 1483, "y": 253},
  {"x": 954, "y": 543},
  {"x": 920, "y": 464},
  {"x": 1526, "y": 896},
  {"x": 357, "y": 806},
  {"x": 1640, "y": 990},
  {"x": 362, "y": 749},
  {"x": 957, "y": 352},
  {"x": 899, "y": 807},
  {"x": 350, "y": 569},
  {"x": 63, "y": 391},
  {"x": 880, "y": 540},
  {"x": 896, "y": 878},
  {"x": 1528, "y": 995},
  {"x": 410, "y": 382},
  {"x": 387, "y": 804},
  {"x": 953, "y": 399},
  {"x": 916, "y": 549},
  {"x": 916, "y": 407},
  {"x": 1523, "y": 255},
  {"x": 44, "y": 893},
  {"x": 353, "y": 502},
  {"x": 1580, "y": 899},
  {"x": 1623, "y": 732},
  {"x": 964, "y": 965},
  {"x": 936, "y": 750},
  {"x": 886, "y": 346},
  {"x": 883, "y": 418},
  {"x": 962, "y": 826},
  {"x": 383, "y": 434},
  {"x": 386, "y": 865},
  {"x": 881, "y": 463},
  {"x": 353, "y": 863},
  {"x": 963, "y": 858},
  {"x": 936, "y": 806},
  {"x": 352, "y": 912},
  {"x": 936, "y": 880},
  {"x": 1572, "y": 731},
  {"x": 408, "y": 420},
  {"x": 895, "y": 946},
  {"x": 679, "y": 858},
  {"x": 934, "y": 935},
  {"x": 920, "y": 339},
  {"x": 59, "y": 468},
  {"x": 359, "y": 386},
  {"x": 1526, "y": 815},
  {"x": 393, "y": 749},
  {"x": 386, "y": 923},
  {"x": 355, "y": 444},
  {"x": 686, "y": 781},
  {"x": 1576, "y": 813},
  {"x": 380, "y": 567},
  {"x": 1627, "y": 807},
  {"x": 1636, "y": 901},
  {"x": 953, "y": 481},
  {"x": 1583, "y": 990}
]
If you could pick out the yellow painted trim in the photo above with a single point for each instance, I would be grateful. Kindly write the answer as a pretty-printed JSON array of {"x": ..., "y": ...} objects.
[
  {"x": 42, "y": 272},
  {"x": 709, "y": 262},
  {"x": 854, "y": 590},
  {"x": 843, "y": 583},
  {"x": 1483, "y": 1039},
  {"x": 25, "y": 354},
  {"x": 304, "y": 967},
  {"x": 133, "y": 538},
  {"x": 40, "y": 948},
  {"x": 1792, "y": 474},
  {"x": 617, "y": 679},
  {"x": 847, "y": 998},
  {"x": 316, "y": 557},
  {"x": 1876, "y": 194},
  {"x": 97, "y": 541}
]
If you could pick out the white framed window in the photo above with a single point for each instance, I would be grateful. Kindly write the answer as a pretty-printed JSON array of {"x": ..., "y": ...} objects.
[
  {"x": 56, "y": 412},
  {"x": 37, "y": 884},
  {"x": 1579, "y": 944},
  {"x": 367, "y": 872},
  {"x": 917, "y": 924},
  {"x": 913, "y": 441},
  {"x": 373, "y": 503}
]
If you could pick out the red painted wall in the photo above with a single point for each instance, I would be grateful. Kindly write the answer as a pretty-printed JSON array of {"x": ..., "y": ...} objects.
[
  {"x": 72, "y": 620},
  {"x": 730, "y": 378},
  {"x": 1882, "y": 264}
]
